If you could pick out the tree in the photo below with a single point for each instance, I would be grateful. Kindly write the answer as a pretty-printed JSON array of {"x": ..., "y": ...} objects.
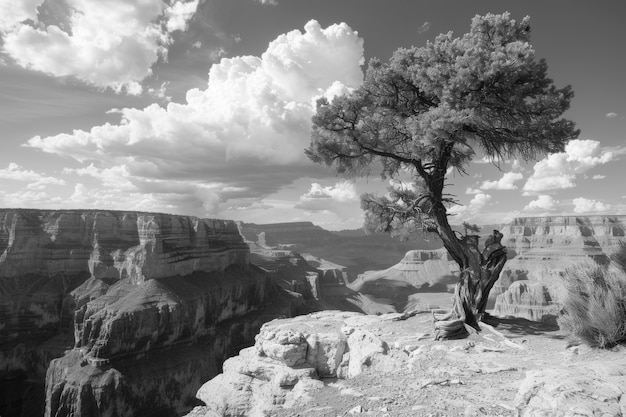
[{"x": 437, "y": 107}]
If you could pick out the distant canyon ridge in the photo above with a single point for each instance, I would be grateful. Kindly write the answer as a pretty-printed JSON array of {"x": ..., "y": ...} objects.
[{"x": 129, "y": 313}]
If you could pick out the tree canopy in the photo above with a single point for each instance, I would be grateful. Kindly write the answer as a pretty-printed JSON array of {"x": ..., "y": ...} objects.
[
  {"x": 434, "y": 107},
  {"x": 437, "y": 107}
]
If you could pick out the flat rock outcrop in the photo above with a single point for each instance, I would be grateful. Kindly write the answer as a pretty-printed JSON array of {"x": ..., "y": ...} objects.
[
  {"x": 338, "y": 363},
  {"x": 597, "y": 388},
  {"x": 543, "y": 249},
  {"x": 288, "y": 360},
  {"x": 107, "y": 293}
]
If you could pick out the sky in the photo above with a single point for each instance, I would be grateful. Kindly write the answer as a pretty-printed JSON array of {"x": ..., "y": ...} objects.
[{"x": 204, "y": 108}]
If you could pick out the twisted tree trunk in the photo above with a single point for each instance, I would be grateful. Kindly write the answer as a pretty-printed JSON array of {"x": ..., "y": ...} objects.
[{"x": 479, "y": 272}]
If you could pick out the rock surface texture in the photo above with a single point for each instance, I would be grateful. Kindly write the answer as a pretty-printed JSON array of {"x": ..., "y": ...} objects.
[
  {"x": 137, "y": 307},
  {"x": 339, "y": 363},
  {"x": 544, "y": 248}
]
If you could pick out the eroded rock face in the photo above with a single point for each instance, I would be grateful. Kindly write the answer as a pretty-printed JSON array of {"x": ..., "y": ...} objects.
[
  {"x": 544, "y": 248},
  {"x": 129, "y": 292},
  {"x": 44, "y": 255},
  {"x": 399, "y": 286},
  {"x": 527, "y": 299},
  {"x": 289, "y": 358}
]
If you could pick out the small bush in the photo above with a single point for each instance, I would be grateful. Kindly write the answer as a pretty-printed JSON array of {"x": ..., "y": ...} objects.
[{"x": 595, "y": 305}]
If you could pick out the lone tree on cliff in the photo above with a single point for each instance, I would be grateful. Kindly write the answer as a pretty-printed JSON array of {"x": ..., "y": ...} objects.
[{"x": 433, "y": 108}]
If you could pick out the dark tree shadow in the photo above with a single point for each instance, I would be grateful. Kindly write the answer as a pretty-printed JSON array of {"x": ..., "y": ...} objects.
[{"x": 523, "y": 327}]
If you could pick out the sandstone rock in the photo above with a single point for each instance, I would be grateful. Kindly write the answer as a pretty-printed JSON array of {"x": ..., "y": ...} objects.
[
  {"x": 544, "y": 247},
  {"x": 288, "y": 358},
  {"x": 364, "y": 346},
  {"x": 418, "y": 268},
  {"x": 285, "y": 346},
  {"x": 527, "y": 299},
  {"x": 590, "y": 389}
]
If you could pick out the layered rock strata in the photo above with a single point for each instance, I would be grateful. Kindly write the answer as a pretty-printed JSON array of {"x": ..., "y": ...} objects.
[
  {"x": 420, "y": 279},
  {"x": 544, "y": 248},
  {"x": 122, "y": 289}
]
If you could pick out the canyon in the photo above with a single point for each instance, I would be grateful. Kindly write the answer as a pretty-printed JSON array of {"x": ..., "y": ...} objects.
[
  {"x": 542, "y": 250},
  {"x": 130, "y": 313},
  {"x": 123, "y": 313}
]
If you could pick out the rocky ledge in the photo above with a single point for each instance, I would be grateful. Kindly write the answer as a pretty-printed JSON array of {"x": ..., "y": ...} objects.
[{"x": 338, "y": 363}]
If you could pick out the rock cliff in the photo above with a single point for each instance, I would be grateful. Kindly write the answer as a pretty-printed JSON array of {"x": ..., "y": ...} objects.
[
  {"x": 355, "y": 251},
  {"x": 128, "y": 302},
  {"x": 422, "y": 278},
  {"x": 543, "y": 248}
]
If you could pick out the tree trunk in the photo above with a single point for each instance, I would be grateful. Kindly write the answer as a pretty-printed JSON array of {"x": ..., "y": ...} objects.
[{"x": 479, "y": 272}]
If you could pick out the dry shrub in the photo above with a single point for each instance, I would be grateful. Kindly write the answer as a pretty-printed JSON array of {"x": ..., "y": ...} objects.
[{"x": 595, "y": 305}]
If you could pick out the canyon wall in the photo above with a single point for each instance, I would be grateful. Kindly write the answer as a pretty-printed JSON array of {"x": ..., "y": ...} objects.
[
  {"x": 132, "y": 305},
  {"x": 422, "y": 279},
  {"x": 531, "y": 284}
]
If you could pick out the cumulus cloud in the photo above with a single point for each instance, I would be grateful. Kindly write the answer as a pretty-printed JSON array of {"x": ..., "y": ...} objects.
[
  {"x": 268, "y": 2},
  {"x": 14, "y": 12},
  {"x": 179, "y": 13},
  {"x": 559, "y": 170},
  {"x": 320, "y": 198},
  {"x": 583, "y": 205},
  {"x": 470, "y": 211},
  {"x": 110, "y": 44},
  {"x": 598, "y": 177},
  {"x": 242, "y": 137},
  {"x": 36, "y": 181},
  {"x": 543, "y": 202},
  {"x": 470, "y": 190},
  {"x": 28, "y": 199},
  {"x": 507, "y": 182},
  {"x": 611, "y": 115}
]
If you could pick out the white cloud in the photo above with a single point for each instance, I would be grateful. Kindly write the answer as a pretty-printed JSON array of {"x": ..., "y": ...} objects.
[
  {"x": 108, "y": 44},
  {"x": 471, "y": 211},
  {"x": 179, "y": 14},
  {"x": 507, "y": 182},
  {"x": 320, "y": 198},
  {"x": 28, "y": 199},
  {"x": 598, "y": 177},
  {"x": 36, "y": 181},
  {"x": 471, "y": 190},
  {"x": 14, "y": 12},
  {"x": 479, "y": 201},
  {"x": 543, "y": 202},
  {"x": 583, "y": 205},
  {"x": 268, "y": 2},
  {"x": 611, "y": 115},
  {"x": 559, "y": 170},
  {"x": 242, "y": 137}
]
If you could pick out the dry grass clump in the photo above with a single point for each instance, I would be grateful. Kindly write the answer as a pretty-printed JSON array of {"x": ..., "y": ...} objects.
[{"x": 595, "y": 307}]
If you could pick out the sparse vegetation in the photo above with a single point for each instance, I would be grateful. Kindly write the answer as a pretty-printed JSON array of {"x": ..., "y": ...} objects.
[{"x": 595, "y": 307}]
